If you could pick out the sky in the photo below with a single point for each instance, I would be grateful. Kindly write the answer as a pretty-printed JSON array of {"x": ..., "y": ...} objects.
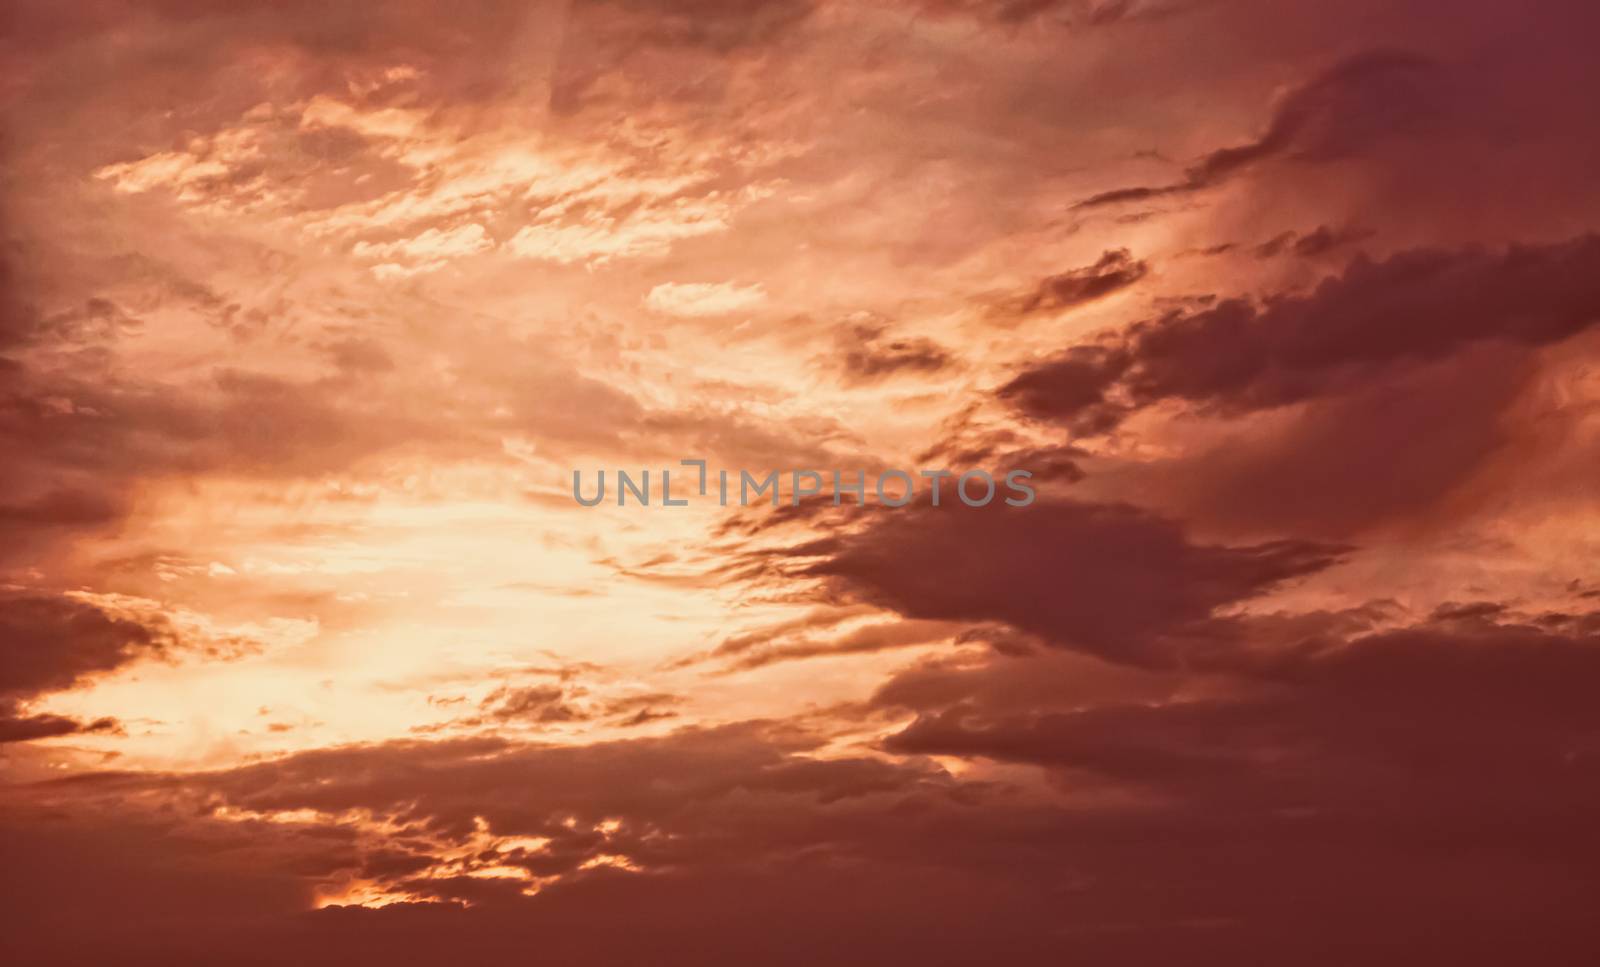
[{"x": 310, "y": 312}]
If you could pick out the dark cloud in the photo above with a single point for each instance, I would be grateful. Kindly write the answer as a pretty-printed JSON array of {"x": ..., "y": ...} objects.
[
  {"x": 1072, "y": 387},
  {"x": 1273, "y": 246},
  {"x": 1405, "y": 452},
  {"x": 719, "y": 24},
  {"x": 540, "y": 704},
  {"x": 1074, "y": 13},
  {"x": 1318, "y": 241},
  {"x": 17, "y": 727},
  {"x": 1463, "y": 735},
  {"x": 866, "y": 354},
  {"x": 52, "y": 642},
  {"x": 1475, "y": 711},
  {"x": 1357, "y": 102},
  {"x": 1199, "y": 831},
  {"x": 790, "y": 643},
  {"x": 1410, "y": 308},
  {"x": 634, "y": 710},
  {"x": 1115, "y": 270},
  {"x": 563, "y": 702},
  {"x": 1106, "y": 579},
  {"x": 1324, "y": 239}
]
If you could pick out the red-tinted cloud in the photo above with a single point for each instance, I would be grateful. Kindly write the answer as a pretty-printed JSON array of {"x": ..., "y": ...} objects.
[{"x": 1352, "y": 328}]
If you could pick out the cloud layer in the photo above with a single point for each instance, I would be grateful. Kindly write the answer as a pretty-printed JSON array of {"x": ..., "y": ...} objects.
[{"x": 309, "y": 313}]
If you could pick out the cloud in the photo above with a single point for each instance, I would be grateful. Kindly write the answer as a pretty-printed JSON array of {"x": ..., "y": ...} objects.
[
  {"x": 633, "y": 231},
  {"x": 1324, "y": 710},
  {"x": 317, "y": 303},
  {"x": 1317, "y": 242},
  {"x": 1107, "y": 579},
  {"x": 721, "y": 25},
  {"x": 1413, "y": 307},
  {"x": 818, "y": 637},
  {"x": 16, "y": 727},
  {"x": 1153, "y": 796},
  {"x": 1324, "y": 239},
  {"x": 866, "y": 354},
  {"x": 1115, "y": 270},
  {"x": 1081, "y": 14},
  {"x": 56, "y": 641},
  {"x": 1400, "y": 452},
  {"x": 534, "y": 703},
  {"x": 694, "y": 299},
  {"x": 1353, "y": 104},
  {"x": 428, "y": 251}
]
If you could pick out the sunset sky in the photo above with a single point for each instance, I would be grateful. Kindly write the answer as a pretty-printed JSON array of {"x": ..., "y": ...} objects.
[{"x": 310, "y": 310}]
